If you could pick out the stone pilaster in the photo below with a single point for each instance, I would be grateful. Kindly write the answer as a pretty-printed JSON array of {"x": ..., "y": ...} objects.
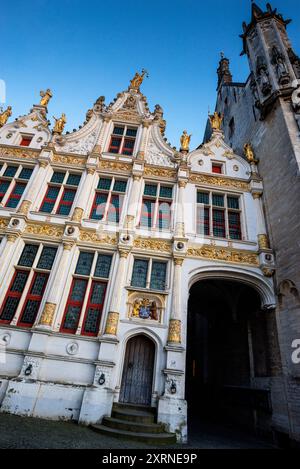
[
  {"x": 34, "y": 188},
  {"x": 174, "y": 336},
  {"x": 83, "y": 196},
  {"x": 7, "y": 253}
]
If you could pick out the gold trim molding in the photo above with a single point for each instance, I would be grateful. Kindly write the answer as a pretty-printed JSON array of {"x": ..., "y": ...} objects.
[
  {"x": 153, "y": 245},
  {"x": 95, "y": 238},
  {"x": 8, "y": 152},
  {"x": 115, "y": 166},
  {"x": 3, "y": 223},
  {"x": 72, "y": 160},
  {"x": 160, "y": 172},
  {"x": 44, "y": 230},
  {"x": 174, "y": 336},
  {"x": 219, "y": 182},
  {"x": 224, "y": 254}
]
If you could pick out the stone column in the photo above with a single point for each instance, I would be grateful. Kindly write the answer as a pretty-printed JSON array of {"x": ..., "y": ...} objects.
[
  {"x": 55, "y": 293},
  {"x": 263, "y": 241},
  {"x": 111, "y": 327},
  {"x": 180, "y": 229},
  {"x": 133, "y": 204},
  {"x": 141, "y": 153},
  {"x": 83, "y": 196},
  {"x": 174, "y": 336},
  {"x": 6, "y": 254},
  {"x": 33, "y": 189}
]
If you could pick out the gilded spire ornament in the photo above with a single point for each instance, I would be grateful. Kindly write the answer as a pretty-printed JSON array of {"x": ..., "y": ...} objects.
[
  {"x": 5, "y": 115},
  {"x": 216, "y": 120},
  {"x": 46, "y": 96},
  {"x": 59, "y": 124},
  {"x": 249, "y": 153},
  {"x": 137, "y": 80},
  {"x": 185, "y": 141}
]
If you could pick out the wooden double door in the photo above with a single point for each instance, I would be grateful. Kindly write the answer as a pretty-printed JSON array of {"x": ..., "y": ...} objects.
[{"x": 137, "y": 379}]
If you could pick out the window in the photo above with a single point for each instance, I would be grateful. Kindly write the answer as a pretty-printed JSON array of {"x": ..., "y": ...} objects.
[
  {"x": 25, "y": 140},
  {"x": 156, "y": 206},
  {"x": 217, "y": 168},
  {"x": 218, "y": 215},
  {"x": 87, "y": 293},
  {"x": 123, "y": 140},
  {"x": 28, "y": 285},
  {"x": 60, "y": 193},
  {"x": 149, "y": 273},
  {"x": 13, "y": 182},
  {"x": 108, "y": 200}
]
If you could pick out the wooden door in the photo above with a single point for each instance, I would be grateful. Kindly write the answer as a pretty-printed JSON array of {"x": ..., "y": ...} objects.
[{"x": 137, "y": 380}]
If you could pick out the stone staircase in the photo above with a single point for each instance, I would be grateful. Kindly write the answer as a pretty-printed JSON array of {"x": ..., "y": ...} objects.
[{"x": 133, "y": 422}]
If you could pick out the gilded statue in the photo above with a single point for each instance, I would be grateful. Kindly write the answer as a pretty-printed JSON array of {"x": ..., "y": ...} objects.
[
  {"x": 5, "y": 115},
  {"x": 216, "y": 120},
  {"x": 59, "y": 124},
  {"x": 136, "y": 309},
  {"x": 185, "y": 141},
  {"x": 137, "y": 80},
  {"x": 249, "y": 153},
  {"x": 46, "y": 96}
]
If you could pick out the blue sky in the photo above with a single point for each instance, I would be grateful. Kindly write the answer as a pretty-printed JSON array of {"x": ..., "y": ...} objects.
[{"x": 84, "y": 49}]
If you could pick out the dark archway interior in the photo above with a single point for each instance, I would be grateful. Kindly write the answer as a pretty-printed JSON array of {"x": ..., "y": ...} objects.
[{"x": 226, "y": 351}]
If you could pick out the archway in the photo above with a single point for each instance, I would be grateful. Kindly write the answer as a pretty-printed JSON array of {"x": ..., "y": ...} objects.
[
  {"x": 228, "y": 353},
  {"x": 137, "y": 378}
]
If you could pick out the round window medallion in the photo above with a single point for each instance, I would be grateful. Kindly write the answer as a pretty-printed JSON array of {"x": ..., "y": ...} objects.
[
  {"x": 235, "y": 168},
  {"x": 72, "y": 348}
]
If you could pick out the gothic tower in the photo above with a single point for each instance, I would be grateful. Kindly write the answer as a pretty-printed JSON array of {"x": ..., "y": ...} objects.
[{"x": 265, "y": 111}]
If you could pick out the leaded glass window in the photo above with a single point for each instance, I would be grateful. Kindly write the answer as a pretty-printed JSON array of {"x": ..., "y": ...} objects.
[
  {"x": 28, "y": 255},
  {"x": 13, "y": 184},
  {"x": 139, "y": 274},
  {"x": 158, "y": 275},
  {"x": 10, "y": 171},
  {"x": 123, "y": 140},
  {"x": 26, "y": 173},
  {"x": 103, "y": 266},
  {"x": 156, "y": 206},
  {"x": 61, "y": 193},
  {"x": 84, "y": 264},
  {"x": 108, "y": 200},
  {"x": 47, "y": 258}
]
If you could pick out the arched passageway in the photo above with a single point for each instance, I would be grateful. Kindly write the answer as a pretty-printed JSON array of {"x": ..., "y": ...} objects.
[{"x": 229, "y": 348}]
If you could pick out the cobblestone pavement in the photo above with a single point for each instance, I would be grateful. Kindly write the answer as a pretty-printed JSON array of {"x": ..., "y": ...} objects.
[{"x": 19, "y": 432}]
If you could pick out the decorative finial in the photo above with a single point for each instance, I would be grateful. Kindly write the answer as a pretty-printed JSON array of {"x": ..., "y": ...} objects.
[
  {"x": 5, "y": 115},
  {"x": 249, "y": 153},
  {"x": 222, "y": 55},
  {"x": 137, "y": 80},
  {"x": 59, "y": 124},
  {"x": 185, "y": 141},
  {"x": 46, "y": 96},
  {"x": 216, "y": 120}
]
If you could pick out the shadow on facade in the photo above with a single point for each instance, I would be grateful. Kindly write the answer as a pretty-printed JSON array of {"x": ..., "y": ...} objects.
[{"x": 228, "y": 356}]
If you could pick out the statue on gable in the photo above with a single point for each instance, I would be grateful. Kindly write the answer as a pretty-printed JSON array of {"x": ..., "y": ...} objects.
[
  {"x": 59, "y": 124},
  {"x": 185, "y": 141},
  {"x": 46, "y": 96},
  {"x": 137, "y": 80},
  {"x": 216, "y": 120},
  {"x": 5, "y": 115},
  {"x": 278, "y": 60},
  {"x": 249, "y": 153}
]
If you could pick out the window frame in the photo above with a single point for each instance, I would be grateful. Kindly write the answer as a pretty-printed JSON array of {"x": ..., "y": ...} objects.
[
  {"x": 150, "y": 261},
  {"x": 62, "y": 187},
  {"x": 13, "y": 181},
  {"x": 123, "y": 139},
  {"x": 90, "y": 279},
  {"x": 110, "y": 193},
  {"x": 225, "y": 209},
  {"x": 158, "y": 201}
]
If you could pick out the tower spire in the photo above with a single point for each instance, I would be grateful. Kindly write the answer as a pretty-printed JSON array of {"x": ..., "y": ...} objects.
[{"x": 224, "y": 74}]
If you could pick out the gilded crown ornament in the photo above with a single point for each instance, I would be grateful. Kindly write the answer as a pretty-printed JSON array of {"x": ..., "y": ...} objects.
[
  {"x": 216, "y": 120},
  {"x": 5, "y": 115},
  {"x": 185, "y": 141},
  {"x": 137, "y": 80},
  {"x": 59, "y": 124},
  {"x": 46, "y": 96},
  {"x": 249, "y": 153}
]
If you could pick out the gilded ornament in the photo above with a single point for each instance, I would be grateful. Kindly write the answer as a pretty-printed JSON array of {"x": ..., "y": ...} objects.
[
  {"x": 24, "y": 207},
  {"x": 153, "y": 245},
  {"x": 137, "y": 80},
  {"x": 185, "y": 141},
  {"x": 174, "y": 336},
  {"x": 48, "y": 314},
  {"x": 59, "y": 124},
  {"x": 92, "y": 237},
  {"x": 115, "y": 166},
  {"x": 222, "y": 254},
  {"x": 12, "y": 237},
  {"x": 73, "y": 160},
  {"x": 44, "y": 230},
  {"x": 219, "y": 181},
  {"x": 5, "y": 115},
  {"x": 8, "y": 152},
  {"x": 178, "y": 261},
  {"x": 160, "y": 172},
  {"x": 112, "y": 324},
  {"x": 268, "y": 272},
  {"x": 263, "y": 241},
  {"x": 216, "y": 120},
  {"x": 3, "y": 223},
  {"x": 77, "y": 214},
  {"x": 249, "y": 153},
  {"x": 46, "y": 96}
]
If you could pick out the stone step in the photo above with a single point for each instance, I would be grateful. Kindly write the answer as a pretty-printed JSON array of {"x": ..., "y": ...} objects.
[
  {"x": 132, "y": 426},
  {"x": 142, "y": 408},
  {"x": 133, "y": 415},
  {"x": 150, "y": 438}
]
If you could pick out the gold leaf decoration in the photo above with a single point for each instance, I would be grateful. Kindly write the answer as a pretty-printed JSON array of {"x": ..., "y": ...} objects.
[
  {"x": 219, "y": 182},
  {"x": 222, "y": 254},
  {"x": 153, "y": 245},
  {"x": 44, "y": 230},
  {"x": 95, "y": 238}
]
